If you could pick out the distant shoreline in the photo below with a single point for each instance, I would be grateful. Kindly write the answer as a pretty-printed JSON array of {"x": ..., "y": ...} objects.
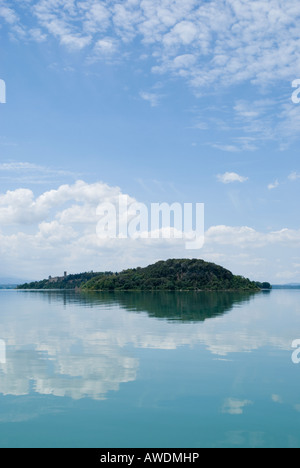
[
  {"x": 17, "y": 288},
  {"x": 139, "y": 290}
]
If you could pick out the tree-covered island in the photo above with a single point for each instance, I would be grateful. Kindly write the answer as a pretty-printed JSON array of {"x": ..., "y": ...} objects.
[{"x": 170, "y": 275}]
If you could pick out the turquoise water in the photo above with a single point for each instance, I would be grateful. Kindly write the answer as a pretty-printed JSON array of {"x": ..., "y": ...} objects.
[{"x": 159, "y": 370}]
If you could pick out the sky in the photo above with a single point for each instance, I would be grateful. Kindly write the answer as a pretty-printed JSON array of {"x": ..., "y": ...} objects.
[{"x": 163, "y": 101}]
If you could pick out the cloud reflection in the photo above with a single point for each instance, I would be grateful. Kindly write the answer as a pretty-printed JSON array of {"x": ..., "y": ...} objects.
[{"x": 86, "y": 345}]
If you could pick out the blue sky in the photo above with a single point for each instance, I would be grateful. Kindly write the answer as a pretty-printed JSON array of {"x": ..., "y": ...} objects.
[{"x": 166, "y": 101}]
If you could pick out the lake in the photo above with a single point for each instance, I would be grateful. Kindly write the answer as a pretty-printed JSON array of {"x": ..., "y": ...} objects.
[{"x": 165, "y": 370}]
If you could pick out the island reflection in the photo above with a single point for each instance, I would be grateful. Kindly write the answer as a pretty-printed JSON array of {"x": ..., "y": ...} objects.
[
  {"x": 84, "y": 345},
  {"x": 179, "y": 306}
]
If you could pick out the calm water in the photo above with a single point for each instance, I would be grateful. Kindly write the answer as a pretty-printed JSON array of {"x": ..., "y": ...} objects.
[{"x": 149, "y": 370}]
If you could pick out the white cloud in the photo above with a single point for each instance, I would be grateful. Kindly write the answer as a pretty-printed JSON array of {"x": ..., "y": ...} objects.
[
  {"x": 61, "y": 21},
  {"x": 294, "y": 176},
  {"x": 29, "y": 167},
  {"x": 104, "y": 337},
  {"x": 211, "y": 44},
  {"x": 246, "y": 236},
  {"x": 33, "y": 174},
  {"x": 230, "y": 41},
  {"x": 277, "y": 399},
  {"x": 17, "y": 166},
  {"x": 56, "y": 230},
  {"x": 227, "y": 148},
  {"x": 184, "y": 61},
  {"x": 184, "y": 33},
  {"x": 37, "y": 35},
  {"x": 286, "y": 276},
  {"x": 273, "y": 185},
  {"x": 235, "y": 407},
  {"x": 244, "y": 109},
  {"x": 20, "y": 206},
  {"x": 105, "y": 47},
  {"x": 231, "y": 177},
  {"x": 96, "y": 16},
  {"x": 8, "y": 14},
  {"x": 152, "y": 98},
  {"x": 74, "y": 41}
]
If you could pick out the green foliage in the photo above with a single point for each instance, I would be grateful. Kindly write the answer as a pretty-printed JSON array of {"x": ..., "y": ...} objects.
[
  {"x": 171, "y": 275},
  {"x": 186, "y": 306},
  {"x": 68, "y": 282},
  {"x": 263, "y": 285}
]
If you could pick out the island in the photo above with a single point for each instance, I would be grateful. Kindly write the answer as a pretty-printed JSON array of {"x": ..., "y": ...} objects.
[
  {"x": 70, "y": 282},
  {"x": 169, "y": 275}
]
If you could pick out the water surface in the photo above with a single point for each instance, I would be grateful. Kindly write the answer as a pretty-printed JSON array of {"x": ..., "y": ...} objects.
[{"x": 149, "y": 369}]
